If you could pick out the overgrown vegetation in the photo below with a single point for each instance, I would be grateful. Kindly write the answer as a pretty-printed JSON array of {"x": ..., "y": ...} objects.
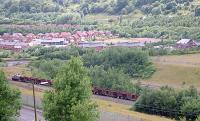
[
  {"x": 93, "y": 6},
  {"x": 134, "y": 62},
  {"x": 159, "y": 18},
  {"x": 112, "y": 68},
  {"x": 113, "y": 79},
  {"x": 171, "y": 103},
  {"x": 10, "y": 100}
]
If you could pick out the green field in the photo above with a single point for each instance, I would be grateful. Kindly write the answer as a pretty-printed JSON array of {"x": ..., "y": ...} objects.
[{"x": 176, "y": 71}]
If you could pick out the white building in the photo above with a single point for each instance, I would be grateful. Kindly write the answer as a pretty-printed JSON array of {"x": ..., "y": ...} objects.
[{"x": 51, "y": 42}]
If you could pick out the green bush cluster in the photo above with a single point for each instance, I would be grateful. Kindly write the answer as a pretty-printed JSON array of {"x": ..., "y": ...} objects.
[
  {"x": 112, "y": 68},
  {"x": 134, "y": 62},
  {"x": 113, "y": 79},
  {"x": 171, "y": 103}
]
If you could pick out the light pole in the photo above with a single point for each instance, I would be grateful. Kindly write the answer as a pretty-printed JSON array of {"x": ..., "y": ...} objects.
[{"x": 34, "y": 100}]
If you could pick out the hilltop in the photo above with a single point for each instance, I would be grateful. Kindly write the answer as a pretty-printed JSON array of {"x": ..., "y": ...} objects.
[
  {"x": 169, "y": 19},
  {"x": 112, "y": 7}
]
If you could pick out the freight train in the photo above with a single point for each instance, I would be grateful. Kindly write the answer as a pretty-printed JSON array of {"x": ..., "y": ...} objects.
[{"x": 95, "y": 90}]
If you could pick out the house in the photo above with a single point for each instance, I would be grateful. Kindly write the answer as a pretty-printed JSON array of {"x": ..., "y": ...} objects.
[
  {"x": 30, "y": 37},
  {"x": 64, "y": 35},
  {"x": 40, "y": 35},
  {"x": 7, "y": 36},
  {"x": 187, "y": 43},
  {"x": 18, "y": 36}
]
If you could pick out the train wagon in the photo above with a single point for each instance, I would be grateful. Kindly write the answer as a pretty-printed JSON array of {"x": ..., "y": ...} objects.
[{"x": 95, "y": 90}]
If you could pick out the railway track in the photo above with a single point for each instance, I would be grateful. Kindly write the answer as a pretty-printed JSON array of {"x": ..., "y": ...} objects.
[
  {"x": 100, "y": 92},
  {"x": 40, "y": 88}
]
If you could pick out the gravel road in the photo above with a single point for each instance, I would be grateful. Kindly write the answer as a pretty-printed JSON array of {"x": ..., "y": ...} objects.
[{"x": 27, "y": 114}]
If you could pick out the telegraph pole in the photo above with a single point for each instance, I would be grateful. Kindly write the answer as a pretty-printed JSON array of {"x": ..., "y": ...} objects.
[{"x": 34, "y": 101}]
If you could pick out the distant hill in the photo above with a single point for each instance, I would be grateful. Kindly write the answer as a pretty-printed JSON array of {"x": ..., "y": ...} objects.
[
  {"x": 111, "y": 7},
  {"x": 170, "y": 19}
]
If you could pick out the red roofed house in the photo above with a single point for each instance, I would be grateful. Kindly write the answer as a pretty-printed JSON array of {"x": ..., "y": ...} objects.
[
  {"x": 65, "y": 35},
  {"x": 30, "y": 37}
]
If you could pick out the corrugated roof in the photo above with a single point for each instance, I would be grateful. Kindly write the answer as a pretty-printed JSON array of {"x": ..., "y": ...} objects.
[
  {"x": 47, "y": 40},
  {"x": 91, "y": 44},
  {"x": 183, "y": 41},
  {"x": 13, "y": 43},
  {"x": 129, "y": 44}
]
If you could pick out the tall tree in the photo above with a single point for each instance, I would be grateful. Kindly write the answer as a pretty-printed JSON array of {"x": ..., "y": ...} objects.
[
  {"x": 10, "y": 101},
  {"x": 71, "y": 98},
  {"x": 120, "y": 5}
]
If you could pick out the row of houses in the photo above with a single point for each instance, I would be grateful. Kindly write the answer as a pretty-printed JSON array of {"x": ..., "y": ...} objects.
[
  {"x": 63, "y": 42},
  {"x": 17, "y": 45},
  {"x": 14, "y": 46},
  {"x": 72, "y": 37}
]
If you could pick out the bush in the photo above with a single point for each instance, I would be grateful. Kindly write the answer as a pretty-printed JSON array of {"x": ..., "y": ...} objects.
[
  {"x": 2, "y": 64},
  {"x": 134, "y": 62},
  {"x": 169, "y": 102},
  {"x": 197, "y": 11},
  {"x": 46, "y": 68},
  {"x": 68, "y": 18},
  {"x": 146, "y": 9},
  {"x": 5, "y": 54},
  {"x": 112, "y": 79},
  {"x": 156, "y": 11},
  {"x": 191, "y": 109}
]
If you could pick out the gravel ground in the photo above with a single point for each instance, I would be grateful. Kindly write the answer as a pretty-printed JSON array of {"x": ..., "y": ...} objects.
[
  {"x": 27, "y": 114},
  {"x": 116, "y": 100},
  {"x": 44, "y": 88}
]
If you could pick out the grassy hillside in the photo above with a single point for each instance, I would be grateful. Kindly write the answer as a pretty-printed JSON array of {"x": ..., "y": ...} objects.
[
  {"x": 177, "y": 71},
  {"x": 173, "y": 20},
  {"x": 51, "y": 10},
  {"x": 115, "y": 7}
]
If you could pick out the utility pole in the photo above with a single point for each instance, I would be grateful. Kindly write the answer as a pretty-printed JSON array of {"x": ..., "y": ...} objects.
[{"x": 34, "y": 100}]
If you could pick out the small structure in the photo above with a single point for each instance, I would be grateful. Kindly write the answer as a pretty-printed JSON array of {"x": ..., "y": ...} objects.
[
  {"x": 14, "y": 46},
  {"x": 47, "y": 42},
  {"x": 187, "y": 43},
  {"x": 128, "y": 44},
  {"x": 98, "y": 45}
]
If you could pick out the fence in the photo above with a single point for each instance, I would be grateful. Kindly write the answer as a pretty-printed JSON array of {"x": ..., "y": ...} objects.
[
  {"x": 28, "y": 101},
  {"x": 104, "y": 115}
]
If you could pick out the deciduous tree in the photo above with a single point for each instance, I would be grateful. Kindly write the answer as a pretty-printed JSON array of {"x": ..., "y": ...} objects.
[
  {"x": 71, "y": 98},
  {"x": 10, "y": 101}
]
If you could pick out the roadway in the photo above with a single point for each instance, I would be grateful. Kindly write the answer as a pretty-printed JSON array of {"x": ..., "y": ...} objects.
[{"x": 27, "y": 114}]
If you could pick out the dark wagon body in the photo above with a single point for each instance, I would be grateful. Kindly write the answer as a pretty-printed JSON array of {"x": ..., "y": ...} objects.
[{"x": 96, "y": 90}]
